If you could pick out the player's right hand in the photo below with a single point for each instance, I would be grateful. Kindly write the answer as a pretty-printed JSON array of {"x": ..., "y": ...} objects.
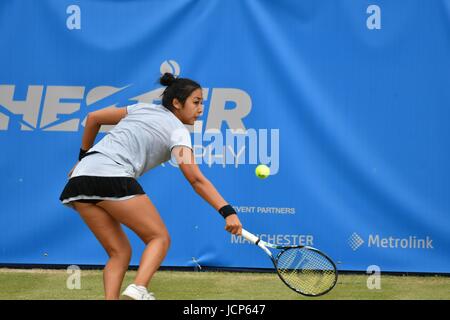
[
  {"x": 233, "y": 224},
  {"x": 70, "y": 173}
]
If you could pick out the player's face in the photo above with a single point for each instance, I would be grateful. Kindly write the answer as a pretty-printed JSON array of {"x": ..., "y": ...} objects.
[{"x": 192, "y": 109}]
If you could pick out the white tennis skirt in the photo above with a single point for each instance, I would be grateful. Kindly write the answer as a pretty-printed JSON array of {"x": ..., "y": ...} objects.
[{"x": 97, "y": 178}]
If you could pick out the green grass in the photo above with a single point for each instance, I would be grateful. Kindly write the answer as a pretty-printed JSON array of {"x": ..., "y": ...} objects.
[{"x": 175, "y": 285}]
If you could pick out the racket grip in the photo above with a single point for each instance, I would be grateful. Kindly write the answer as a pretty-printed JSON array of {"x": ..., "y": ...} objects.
[{"x": 249, "y": 236}]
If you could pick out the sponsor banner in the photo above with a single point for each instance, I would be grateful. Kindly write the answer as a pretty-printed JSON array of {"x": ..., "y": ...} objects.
[{"x": 345, "y": 102}]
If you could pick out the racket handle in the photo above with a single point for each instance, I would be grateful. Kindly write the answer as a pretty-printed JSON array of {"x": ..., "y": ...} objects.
[{"x": 249, "y": 236}]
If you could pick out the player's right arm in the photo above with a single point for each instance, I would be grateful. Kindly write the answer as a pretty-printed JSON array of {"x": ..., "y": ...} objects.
[{"x": 204, "y": 188}]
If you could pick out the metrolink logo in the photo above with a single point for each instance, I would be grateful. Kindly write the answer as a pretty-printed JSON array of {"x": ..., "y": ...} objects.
[
  {"x": 355, "y": 241},
  {"x": 60, "y": 108}
]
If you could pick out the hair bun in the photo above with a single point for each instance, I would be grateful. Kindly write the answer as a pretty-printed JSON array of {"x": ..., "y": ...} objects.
[{"x": 167, "y": 79}]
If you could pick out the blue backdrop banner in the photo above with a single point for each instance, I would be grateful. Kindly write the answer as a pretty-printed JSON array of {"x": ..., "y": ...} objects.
[{"x": 346, "y": 101}]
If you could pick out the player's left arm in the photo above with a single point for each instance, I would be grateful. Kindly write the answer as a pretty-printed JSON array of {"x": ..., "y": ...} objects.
[
  {"x": 186, "y": 161},
  {"x": 95, "y": 119}
]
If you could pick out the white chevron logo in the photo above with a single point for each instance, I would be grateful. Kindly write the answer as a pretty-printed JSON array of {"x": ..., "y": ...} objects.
[{"x": 355, "y": 241}]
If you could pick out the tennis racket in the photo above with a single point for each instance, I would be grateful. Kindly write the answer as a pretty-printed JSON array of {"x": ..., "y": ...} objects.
[{"x": 304, "y": 269}]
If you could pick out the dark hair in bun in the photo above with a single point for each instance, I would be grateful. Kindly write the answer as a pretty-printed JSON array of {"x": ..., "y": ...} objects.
[
  {"x": 177, "y": 88},
  {"x": 167, "y": 79}
]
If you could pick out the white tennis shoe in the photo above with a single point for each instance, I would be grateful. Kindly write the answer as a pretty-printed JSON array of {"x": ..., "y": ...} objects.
[{"x": 134, "y": 292}]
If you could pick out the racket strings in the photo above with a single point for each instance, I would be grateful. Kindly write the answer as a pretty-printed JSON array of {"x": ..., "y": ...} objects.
[{"x": 306, "y": 271}]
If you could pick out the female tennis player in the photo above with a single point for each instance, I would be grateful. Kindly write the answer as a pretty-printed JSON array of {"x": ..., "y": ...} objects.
[{"x": 103, "y": 188}]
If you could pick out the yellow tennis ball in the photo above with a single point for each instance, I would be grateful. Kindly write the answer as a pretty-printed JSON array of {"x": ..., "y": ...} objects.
[{"x": 262, "y": 171}]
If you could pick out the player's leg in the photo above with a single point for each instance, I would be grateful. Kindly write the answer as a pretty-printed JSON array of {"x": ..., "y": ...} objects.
[
  {"x": 114, "y": 240},
  {"x": 141, "y": 216}
]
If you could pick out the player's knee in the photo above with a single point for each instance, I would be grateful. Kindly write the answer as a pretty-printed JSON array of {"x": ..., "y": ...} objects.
[
  {"x": 166, "y": 241},
  {"x": 162, "y": 238},
  {"x": 122, "y": 253}
]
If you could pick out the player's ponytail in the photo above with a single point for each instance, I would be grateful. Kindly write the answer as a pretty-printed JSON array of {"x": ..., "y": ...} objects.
[{"x": 177, "y": 88}]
